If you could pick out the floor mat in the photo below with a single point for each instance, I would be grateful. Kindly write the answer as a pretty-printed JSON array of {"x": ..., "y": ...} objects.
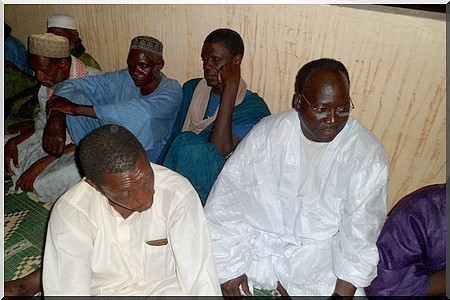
[{"x": 25, "y": 220}]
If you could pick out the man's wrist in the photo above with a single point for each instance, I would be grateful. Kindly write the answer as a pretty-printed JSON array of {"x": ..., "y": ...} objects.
[{"x": 336, "y": 296}]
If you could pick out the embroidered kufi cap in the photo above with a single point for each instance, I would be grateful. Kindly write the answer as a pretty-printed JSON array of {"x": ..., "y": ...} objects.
[
  {"x": 147, "y": 43},
  {"x": 48, "y": 45},
  {"x": 61, "y": 21}
]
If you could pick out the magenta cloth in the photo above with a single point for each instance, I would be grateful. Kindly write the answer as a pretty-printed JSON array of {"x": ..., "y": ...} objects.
[{"x": 411, "y": 244}]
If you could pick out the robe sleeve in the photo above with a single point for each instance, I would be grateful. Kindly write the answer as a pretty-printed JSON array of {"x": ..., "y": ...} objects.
[
  {"x": 155, "y": 112},
  {"x": 92, "y": 90},
  {"x": 354, "y": 251},
  {"x": 244, "y": 213},
  {"x": 192, "y": 248},
  {"x": 68, "y": 253}
]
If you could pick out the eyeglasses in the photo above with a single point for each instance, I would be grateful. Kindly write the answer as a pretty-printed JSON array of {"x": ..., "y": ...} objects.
[{"x": 324, "y": 112}]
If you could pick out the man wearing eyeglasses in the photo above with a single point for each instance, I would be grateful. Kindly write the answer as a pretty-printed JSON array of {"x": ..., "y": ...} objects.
[{"x": 300, "y": 204}]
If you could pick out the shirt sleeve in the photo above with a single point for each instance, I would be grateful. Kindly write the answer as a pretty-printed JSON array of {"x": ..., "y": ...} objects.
[
  {"x": 150, "y": 119},
  {"x": 143, "y": 114},
  {"x": 191, "y": 243},
  {"x": 92, "y": 90},
  {"x": 354, "y": 251},
  {"x": 68, "y": 252}
]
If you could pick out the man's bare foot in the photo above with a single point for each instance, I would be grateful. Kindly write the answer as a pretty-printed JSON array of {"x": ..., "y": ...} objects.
[{"x": 29, "y": 285}]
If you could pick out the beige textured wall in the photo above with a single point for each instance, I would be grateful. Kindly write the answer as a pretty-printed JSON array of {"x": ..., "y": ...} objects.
[{"x": 396, "y": 62}]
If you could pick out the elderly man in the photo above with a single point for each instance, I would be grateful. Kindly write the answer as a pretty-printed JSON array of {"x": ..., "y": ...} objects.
[
  {"x": 217, "y": 112},
  {"x": 31, "y": 168},
  {"x": 300, "y": 203},
  {"x": 66, "y": 26},
  {"x": 140, "y": 98},
  {"x": 128, "y": 228}
]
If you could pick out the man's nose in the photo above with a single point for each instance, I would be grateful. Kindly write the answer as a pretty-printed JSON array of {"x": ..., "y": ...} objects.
[
  {"x": 143, "y": 195},
  {"x": 332, "y": 116}
]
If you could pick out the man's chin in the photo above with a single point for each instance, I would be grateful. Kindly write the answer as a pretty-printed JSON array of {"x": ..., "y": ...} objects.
[{"x": 211, "y": 83}]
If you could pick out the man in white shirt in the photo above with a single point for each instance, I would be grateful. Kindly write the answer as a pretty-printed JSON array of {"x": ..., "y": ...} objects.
[
  {"x": 128, "y": 228},
  {"x": 299, "y": 205}
]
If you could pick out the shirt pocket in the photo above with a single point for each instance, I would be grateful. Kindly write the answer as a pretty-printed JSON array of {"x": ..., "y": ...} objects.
[{"x": 159, "y": 262}]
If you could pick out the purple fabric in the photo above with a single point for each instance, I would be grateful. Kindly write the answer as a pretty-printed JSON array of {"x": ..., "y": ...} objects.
[{"x": 411, "y": 244}]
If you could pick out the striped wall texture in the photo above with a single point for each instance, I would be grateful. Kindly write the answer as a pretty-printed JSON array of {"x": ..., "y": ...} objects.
[{"x": 396, "y": 61}]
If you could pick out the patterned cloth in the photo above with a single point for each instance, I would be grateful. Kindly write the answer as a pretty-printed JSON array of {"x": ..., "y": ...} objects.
[
  {"x": 21, "y": 102},
  {"x": 77, "y": 70},
  {"x": 25, "y": 220}
]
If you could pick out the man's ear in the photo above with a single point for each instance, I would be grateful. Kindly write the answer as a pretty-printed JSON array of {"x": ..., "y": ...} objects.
[
  {"x": 296, "y": 101},
  {"x": 160, "y": 63},
  {"x": 237, "y": 60},
  {"x": 64, "y": 64}
]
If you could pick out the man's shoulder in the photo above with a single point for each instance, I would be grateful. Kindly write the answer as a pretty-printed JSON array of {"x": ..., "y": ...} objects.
[
  {"x": 167, "y": 178},
  {"x": 274, "y": 126},
  {"x": 168, "y": 83},
  {"x": 76, "y": 198},
  {"x": 172, "y": 185},
  {"x": 360, "y": 144},
  {"x": 192, "y": 82},
  {"x": 280, "y": 119},
  {"x": 428, "y": 200},
  {"x": 362, "y": 135}
]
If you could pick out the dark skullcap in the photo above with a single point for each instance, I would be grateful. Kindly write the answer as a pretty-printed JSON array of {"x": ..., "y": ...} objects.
[{"x": 147, "y": 43}]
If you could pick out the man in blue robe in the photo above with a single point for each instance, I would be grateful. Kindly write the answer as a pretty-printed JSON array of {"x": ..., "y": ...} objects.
[
  {"x": 216, "y": 114},
  {"x": 140, "y": 98}
]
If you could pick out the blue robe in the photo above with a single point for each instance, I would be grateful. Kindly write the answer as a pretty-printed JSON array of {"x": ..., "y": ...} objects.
[
  {"x": 117, "y": 100},
  {"x": 192, "y": 155},
  {"x": 16, "y": 52}
]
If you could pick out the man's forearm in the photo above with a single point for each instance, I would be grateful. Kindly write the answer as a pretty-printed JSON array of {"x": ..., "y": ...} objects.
[
  {"x": 65, "y": 106},
  {"x": 221, "y": 134},
  {"x": 436, "y": 284},
  {"x": 85, "y": 110},
  {"x": 344, "y": 289},
  {"x": 23, "y": 136}
]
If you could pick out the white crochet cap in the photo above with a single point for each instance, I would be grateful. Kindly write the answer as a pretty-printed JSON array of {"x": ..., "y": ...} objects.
[
  {"x": 62, "y": 21},
  {"x": 48, "y": 45}
]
